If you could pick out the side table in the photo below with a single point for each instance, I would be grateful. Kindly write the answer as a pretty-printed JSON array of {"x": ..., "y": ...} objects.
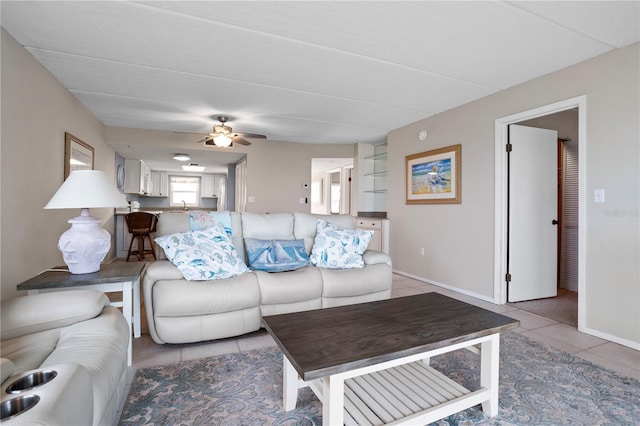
[{"x": 112, "y": 277}]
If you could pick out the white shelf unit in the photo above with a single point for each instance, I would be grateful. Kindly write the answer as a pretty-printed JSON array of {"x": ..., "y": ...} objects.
[{"x": 372, "y": 178}]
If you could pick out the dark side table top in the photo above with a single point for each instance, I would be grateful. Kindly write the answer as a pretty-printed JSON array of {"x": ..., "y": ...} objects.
[
  {"x": 328, "y": 341},
  {"x": 60, "y": 277}
]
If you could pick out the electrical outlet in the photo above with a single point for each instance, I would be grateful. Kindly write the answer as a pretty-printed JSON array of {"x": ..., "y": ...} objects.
[
  {"x": 302, "y": 200},
  {"x": 251, "y": 199}
]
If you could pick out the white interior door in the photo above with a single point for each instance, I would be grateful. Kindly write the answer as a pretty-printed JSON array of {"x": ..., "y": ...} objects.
[{"x": 533, "y": 198}]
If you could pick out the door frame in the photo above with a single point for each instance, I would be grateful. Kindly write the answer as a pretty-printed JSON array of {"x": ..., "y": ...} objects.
[{"x": 501, "y": 181}]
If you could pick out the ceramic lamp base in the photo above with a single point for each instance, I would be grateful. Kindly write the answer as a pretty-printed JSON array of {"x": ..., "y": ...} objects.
[{"x": 84, "y": 245}]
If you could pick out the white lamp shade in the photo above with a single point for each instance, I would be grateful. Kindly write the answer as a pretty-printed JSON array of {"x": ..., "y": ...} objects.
[{"x": 87, "y": 189}]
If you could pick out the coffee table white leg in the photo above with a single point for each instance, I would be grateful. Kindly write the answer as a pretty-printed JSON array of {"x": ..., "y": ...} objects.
[
  {"x": 289, "y": 384},
  {"x": 127, "y": 302},
  {"x": 332, "y": 400},
  {"x": 490, "y": 372}
]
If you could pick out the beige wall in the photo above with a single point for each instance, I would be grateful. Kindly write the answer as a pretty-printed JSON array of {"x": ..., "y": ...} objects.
[
  {"x": 459, "y": 238},
  {"x": 276, "y": 172},
  {"x": 36, "y": 112}
]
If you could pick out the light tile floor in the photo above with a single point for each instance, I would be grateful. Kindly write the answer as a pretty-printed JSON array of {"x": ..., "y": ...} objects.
[{"x": 621, "y": 359}]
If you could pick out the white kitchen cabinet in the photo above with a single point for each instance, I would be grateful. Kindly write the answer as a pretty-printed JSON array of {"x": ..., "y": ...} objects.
[
  {"x": 137, "y": 177},
  {"x": 159, "y": 184},
  {"x": 380, "y": 227},
  {"x": 211, "y": 185}
]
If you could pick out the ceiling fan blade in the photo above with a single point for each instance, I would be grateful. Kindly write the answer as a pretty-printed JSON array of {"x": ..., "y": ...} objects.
[
  {"x": 204, "y": 140},
  {"x": 237, "y": 139},
  {"x": 250, "y": 135}
]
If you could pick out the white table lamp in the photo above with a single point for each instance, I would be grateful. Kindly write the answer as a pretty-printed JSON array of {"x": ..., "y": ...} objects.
[{"x": 85, "y": 244}]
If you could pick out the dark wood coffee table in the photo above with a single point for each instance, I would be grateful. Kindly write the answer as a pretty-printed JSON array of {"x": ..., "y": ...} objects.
[{"x": 369, "y": 363}]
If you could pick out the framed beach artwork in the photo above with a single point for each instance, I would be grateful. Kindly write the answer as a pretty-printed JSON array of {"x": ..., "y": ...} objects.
[
  {"x": 433, "y": 177},
  {"x": 77, "y": 155}
]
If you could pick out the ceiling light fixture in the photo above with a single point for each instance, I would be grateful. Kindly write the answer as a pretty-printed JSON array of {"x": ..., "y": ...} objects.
[
  {"x": 181, "y": 157},
  {"x": 193, "y": 167},
  {"x": 222, "y": 140}
]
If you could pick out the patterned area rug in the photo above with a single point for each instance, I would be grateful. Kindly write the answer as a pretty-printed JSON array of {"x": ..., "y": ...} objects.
[{"x": 539, "y": 385}]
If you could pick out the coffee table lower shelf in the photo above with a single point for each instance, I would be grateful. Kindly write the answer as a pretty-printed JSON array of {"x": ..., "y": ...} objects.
[
  {"x": 401, "y": 391},
  {"x": 407, "y": 393}
]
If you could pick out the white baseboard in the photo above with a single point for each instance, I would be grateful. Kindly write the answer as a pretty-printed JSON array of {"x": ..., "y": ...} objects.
[
  {"x": 447, "y": 286},
  {"x": 615, "y": 339}
]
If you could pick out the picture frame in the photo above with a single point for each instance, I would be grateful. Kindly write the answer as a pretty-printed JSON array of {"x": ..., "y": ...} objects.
[
  {"x": 78, "y": 155},
  {"x": 433, "y": 177}
]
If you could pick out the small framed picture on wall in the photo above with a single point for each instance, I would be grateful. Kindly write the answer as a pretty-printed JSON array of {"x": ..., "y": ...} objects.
[{"x": 78, "y": 155}]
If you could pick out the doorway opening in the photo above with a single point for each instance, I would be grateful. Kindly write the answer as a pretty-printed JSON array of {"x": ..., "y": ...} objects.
[
  {"x": 573, "y": 275},
  {"x": 331, "y": 185}
]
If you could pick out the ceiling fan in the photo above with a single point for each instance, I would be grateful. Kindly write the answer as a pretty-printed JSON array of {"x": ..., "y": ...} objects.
[{"x": 223, "y": 136}]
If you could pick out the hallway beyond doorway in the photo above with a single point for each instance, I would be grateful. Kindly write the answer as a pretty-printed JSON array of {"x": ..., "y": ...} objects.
[{"x": 562, "y": 308}]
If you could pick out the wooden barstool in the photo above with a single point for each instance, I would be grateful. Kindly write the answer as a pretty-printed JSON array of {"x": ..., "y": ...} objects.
[{"x": 141, "y": 225}]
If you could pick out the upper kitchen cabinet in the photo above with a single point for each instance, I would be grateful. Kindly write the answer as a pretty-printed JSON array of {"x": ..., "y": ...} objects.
[
  {"x": 159, "y": 184},
  {"x": 137, "y": 177},
  {"x": 211, "y": 185}
]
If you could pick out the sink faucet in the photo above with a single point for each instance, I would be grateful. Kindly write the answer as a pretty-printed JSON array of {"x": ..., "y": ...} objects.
[{"x": 185, "y": 208}]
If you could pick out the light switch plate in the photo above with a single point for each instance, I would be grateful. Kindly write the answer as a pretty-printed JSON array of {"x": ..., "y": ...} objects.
[
  {"x": 598, "y": 196},
  {"x": 251, "y": 199}
]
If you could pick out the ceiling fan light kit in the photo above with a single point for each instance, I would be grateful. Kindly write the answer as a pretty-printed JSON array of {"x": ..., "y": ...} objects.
[
  {"x": 222, "y": 140},
  {"x": 223, "y": 136}
]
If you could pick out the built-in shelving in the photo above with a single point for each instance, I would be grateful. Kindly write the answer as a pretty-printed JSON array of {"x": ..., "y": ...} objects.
[
  {"x": 372, "y": 178},
  {"x": 380, "y": 156},
  {"x": 377, "y": 174}
]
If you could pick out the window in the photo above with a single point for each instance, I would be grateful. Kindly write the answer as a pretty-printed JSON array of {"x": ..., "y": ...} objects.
[{"x": 184, "y": 191}]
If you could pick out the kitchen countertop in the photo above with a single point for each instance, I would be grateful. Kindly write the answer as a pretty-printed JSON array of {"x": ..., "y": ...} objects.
[{"x": 158, "y": 210}]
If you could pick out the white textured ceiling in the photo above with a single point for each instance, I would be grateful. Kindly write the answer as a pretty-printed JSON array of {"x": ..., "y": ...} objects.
[{"x": 308, "y": 72}]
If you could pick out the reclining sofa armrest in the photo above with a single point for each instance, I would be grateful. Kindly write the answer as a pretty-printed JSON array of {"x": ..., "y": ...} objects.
[
  {"x": 160, "y": 270},
  {"x": 46, "y": 311},
  {"x": 372, "y": 257}
]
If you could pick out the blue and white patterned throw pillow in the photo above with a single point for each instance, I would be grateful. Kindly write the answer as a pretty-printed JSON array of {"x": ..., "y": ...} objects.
[
  {"x": 336, "y": 248},
  {"x": 206, "y": 219},
  {"x": 206, "y": 254},
  {"x": 276, "y": 255}
]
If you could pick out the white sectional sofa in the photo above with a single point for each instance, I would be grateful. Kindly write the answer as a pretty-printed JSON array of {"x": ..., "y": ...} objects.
[
  {"x": 75, "y": 339},
  {"x": 181, "y": 311}
]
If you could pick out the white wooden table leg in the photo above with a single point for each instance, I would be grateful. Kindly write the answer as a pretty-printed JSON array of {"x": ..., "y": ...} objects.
[
  {"x": 332, "y": 401},
  {"x": 126, "y": 311},
  {"x": 136, "y": 309},
  {"x": 490, "y": 372},
  {"x": 289, "y": 384}
]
